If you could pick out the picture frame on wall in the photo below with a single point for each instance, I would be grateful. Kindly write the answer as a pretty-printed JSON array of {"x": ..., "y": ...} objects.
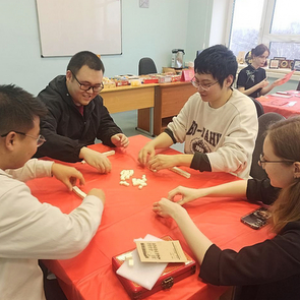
[
  {"x": 296, "y": 65},
  {"x": 274, "y": 64}
]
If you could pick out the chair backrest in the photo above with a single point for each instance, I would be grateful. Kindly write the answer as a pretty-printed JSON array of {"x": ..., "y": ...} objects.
[
  {"x": 259, "y": 108},
  {"x": 264, "y": 122},
  {"x": 147, "y": 66}
]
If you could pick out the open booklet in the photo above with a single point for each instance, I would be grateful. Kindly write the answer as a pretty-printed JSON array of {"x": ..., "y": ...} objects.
[{"x": 160, "y": 251}]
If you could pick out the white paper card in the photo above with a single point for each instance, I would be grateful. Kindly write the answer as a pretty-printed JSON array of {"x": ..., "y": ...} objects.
[
  {"x": 160, "y": 251},
  {"x": 144, "y": 274}
]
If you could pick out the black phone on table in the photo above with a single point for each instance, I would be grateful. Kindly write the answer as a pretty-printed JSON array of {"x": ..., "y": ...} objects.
[{"x": 257, "y": 218}]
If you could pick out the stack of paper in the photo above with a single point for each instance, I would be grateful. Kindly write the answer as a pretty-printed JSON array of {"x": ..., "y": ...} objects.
[{"x": 144, "y": 274}]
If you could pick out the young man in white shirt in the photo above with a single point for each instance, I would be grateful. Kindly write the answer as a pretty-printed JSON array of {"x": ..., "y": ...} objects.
[
  {"x": 217, "y": 124},
  {"x": 30, "y": 230}
]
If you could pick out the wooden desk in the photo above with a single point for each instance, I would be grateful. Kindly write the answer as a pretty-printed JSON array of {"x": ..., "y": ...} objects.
[
  {"x": 128, "y": 215},
  {"x": 166, "y": 98},
  {"x": 129, "y": 98},
  {"x": 169, "y": 99},
  {"x": 284, "y": 106}
]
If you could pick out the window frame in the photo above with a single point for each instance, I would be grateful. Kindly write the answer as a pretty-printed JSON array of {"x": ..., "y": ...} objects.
[{"x": 264, "y": 36}]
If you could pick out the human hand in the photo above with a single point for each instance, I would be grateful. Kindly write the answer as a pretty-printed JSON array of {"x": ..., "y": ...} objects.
[
  {"x": 264, "y": 83},
  {"x": 166, "y": 208},
  {"x": 95, "y": 159},
  {"x": 67, "y": 175},
  {"x": 98, "y": 193},
  {"x": 187, "y": 194},
  {"x": 120, "y": 140},
  {"x": 162, "y": 161},
  {"x": 146, "y": 153}
]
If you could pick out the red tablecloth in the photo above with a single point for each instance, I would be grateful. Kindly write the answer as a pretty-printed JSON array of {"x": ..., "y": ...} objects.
[
  {"x": 128, "y": 215},
  {"x": 285, "y": 106}
]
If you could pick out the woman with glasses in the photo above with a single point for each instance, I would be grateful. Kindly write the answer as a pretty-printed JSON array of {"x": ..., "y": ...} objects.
[
  {"x": 252, "y": 80},
  {"x": 218, "y": 125},
  {"x": 268, "y": 270}
]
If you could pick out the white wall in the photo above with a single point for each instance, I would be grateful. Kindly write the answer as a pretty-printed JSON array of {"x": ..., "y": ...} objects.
[
  {"x": 167, "y": 24},
  {"x": 219, "y": 33},
  {"x": 198, "y": 30},
  {"x": 150, "y": 32}
]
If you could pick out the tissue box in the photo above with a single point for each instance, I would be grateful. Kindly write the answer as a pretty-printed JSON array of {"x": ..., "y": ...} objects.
[{"x": 173, "y": 273}]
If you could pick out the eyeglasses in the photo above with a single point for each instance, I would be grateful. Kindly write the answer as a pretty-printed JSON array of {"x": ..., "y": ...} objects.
[
  {"x": 262, "y": 161},
  {"x": 86, "y": 87},
  {"x": 40, "y": 140},
  {"x": 204, "y": 87}
]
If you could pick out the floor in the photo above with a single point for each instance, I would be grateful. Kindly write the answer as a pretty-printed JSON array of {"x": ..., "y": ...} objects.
[{"x": 127, "y": 121}]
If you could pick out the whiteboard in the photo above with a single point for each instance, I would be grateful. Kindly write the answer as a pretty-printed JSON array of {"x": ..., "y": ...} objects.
[{"x": 70, "y": 26}]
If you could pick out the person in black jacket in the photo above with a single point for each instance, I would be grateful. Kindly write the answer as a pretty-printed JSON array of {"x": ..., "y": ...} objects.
[
  {"x": 77, "y": 115},
  {"x": 267, "y": 270}
]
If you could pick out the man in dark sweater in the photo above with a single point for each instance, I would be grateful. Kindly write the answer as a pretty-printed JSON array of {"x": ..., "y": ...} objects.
[{"x": 77, "y": 115}]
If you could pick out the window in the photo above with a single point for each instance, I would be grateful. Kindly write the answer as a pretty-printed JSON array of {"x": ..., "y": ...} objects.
[{"x": 275, "y": 23}]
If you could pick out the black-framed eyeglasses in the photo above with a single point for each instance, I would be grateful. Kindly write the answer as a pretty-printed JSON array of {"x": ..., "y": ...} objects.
[
  {"x": 40, "y": 140},
  {"x": 262, "y": 161},
  {"x": 86, "y": 87},
  {"x": 204, "y": 87}
]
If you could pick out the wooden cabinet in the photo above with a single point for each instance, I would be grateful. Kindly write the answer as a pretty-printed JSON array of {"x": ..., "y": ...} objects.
[
  {"x": 157, "y": 104},
  {"x": 169, "y": 99}
]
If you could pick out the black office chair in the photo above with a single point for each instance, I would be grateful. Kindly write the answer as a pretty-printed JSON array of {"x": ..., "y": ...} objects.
[
  {"x": 147, "y": 66},
  {"x": 259, "y": 108},
  {"x": 264, "y": 122},
  {"x": 51, "y": 286}
]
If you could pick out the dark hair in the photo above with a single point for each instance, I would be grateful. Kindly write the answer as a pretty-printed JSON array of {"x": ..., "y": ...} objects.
[
  {"x": 260, "y": 50},
  {"x": 284, "y": 137},
  {"x": 18, "y": 109},
  {"x": 218, "y": 61},
  {"x": 83, "y": 58}
]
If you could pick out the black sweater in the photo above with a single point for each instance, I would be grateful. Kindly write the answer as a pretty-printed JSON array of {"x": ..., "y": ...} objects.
[
  {"x": 264, "y": 271},
  {"x": 65, "y": 129}
]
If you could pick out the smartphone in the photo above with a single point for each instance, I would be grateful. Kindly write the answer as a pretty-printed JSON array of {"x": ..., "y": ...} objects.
[{"x": 257, "y": 218}]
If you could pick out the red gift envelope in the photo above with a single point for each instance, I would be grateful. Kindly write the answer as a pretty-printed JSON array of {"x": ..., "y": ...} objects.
[{"x": 187, "y": 75}]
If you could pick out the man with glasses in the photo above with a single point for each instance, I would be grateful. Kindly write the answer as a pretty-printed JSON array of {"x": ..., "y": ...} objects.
[
  {"x": 30, "y": 230},
  {"x": 217, "y": 124},
  {"x": 77, "y": 115}
]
